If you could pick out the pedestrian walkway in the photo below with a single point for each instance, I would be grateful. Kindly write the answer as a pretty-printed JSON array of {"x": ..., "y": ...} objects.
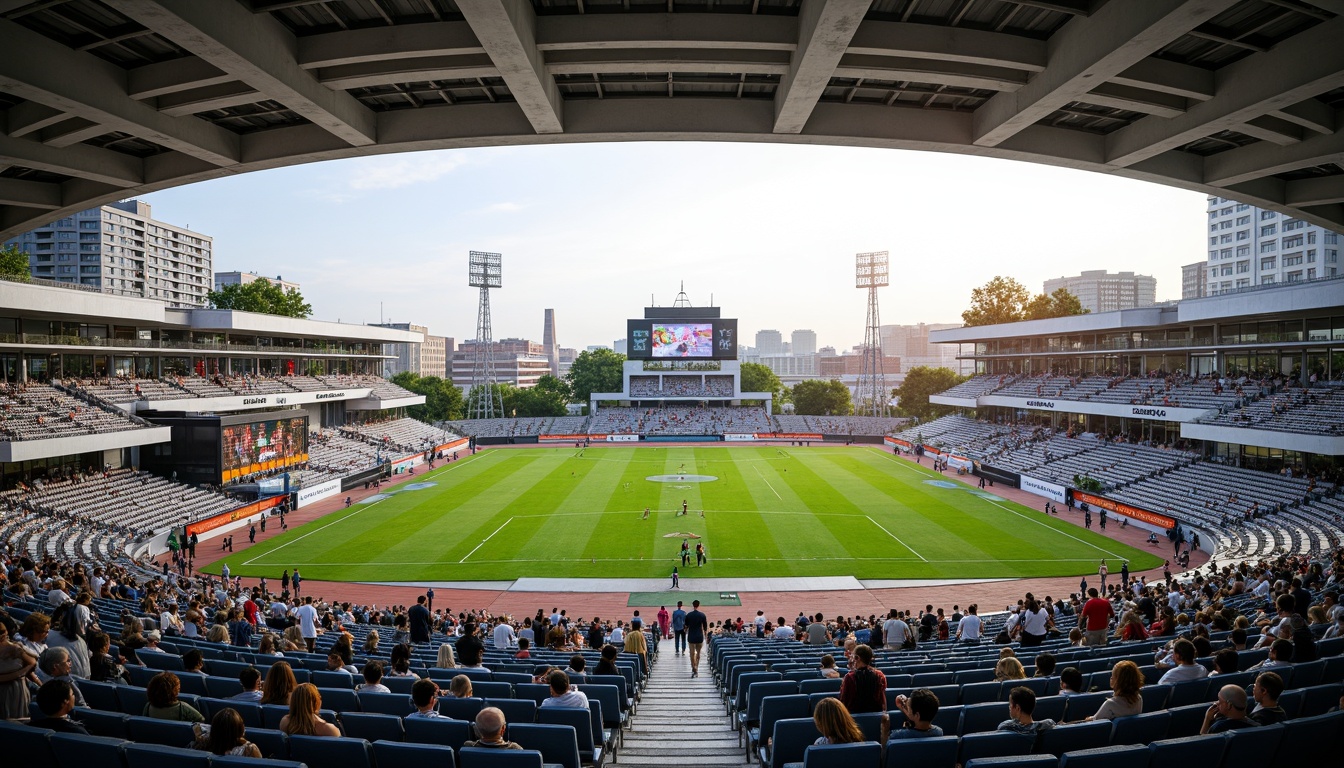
[{"x": 680, "y": 720}]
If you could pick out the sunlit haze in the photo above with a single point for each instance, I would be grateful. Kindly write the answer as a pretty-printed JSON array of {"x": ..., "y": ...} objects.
[{"x": 597, "y": 230}]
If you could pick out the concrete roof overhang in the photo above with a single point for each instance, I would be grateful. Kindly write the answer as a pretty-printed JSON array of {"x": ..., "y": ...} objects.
[{"x": 107, "y": 99}]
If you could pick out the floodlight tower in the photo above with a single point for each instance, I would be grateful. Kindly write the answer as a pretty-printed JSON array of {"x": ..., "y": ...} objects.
[
  {"x": 485, "y": 402},
  {"x": 870, "y": 273}
]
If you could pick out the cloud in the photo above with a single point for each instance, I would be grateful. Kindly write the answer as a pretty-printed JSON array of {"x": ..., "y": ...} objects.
[
  {"x": 396, "y": 172},
  {"x": 504, "y": 207}
]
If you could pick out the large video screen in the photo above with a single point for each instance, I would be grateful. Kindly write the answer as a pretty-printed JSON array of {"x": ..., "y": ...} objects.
[
  {"x": 708, "y": 339},
  {"x": 263, "y": 446}
]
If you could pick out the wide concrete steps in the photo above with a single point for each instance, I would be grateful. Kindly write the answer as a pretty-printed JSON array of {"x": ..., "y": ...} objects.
[{"x": 681, "y": 720}]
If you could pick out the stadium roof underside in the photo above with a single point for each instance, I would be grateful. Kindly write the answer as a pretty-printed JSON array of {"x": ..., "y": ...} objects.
[{"x": 107, "y": 99}]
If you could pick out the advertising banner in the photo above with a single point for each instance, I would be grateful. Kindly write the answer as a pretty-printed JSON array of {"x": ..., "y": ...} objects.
[
  {"x": 315, "y": 493},
  {"x": 1050, "y": 491},
  {"x": 732, "y": 438},
  {"x": 233, "y": 516},
  {"x": 959, "y": 462},
  {"x": 997, "y": 475},
  {"x": 1121, "y": 508},
  {"x": 622, "y": 438}
]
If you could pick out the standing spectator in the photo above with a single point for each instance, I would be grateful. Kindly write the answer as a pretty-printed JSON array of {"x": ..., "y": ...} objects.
[
  {"x": 697, "y": 625},
  {"x": 1097, "y": 613},
  {"x": 421, "y": 622},
  {"x": 678, "y": 630}
]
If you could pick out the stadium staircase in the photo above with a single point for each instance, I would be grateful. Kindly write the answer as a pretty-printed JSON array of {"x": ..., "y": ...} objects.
[{"x": 680, "y": 720}]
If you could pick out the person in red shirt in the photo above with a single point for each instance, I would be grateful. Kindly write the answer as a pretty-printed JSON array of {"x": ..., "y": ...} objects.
[
  {"x": 1098, "y": 613},
  {"x": 864, "y": 688},
  {"x": 250, "y": 608}
]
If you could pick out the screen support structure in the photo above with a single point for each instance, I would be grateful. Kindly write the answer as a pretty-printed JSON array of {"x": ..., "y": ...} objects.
[
  {"x": 870, "y": 272},
  {"x": 483, "y": 399}
]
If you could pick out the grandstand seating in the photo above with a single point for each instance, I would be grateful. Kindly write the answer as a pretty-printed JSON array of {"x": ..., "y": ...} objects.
[
  {"x": 679, "y": 421},
  {"x": 838, "y": 425},
  {"x": 40, "y": 411},
  {"x": 126, "y": 500},
  {"x": 405, "y": 434},
  {"x": 520, "y": 427},
  {"x": 1315, "y": 411}
]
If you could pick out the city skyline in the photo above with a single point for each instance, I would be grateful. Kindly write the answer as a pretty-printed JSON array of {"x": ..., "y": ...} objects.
[{"x": 760, "y": 229}]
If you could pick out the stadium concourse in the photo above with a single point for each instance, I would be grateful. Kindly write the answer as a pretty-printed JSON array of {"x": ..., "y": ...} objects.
[{"x": 775, "y": 596}]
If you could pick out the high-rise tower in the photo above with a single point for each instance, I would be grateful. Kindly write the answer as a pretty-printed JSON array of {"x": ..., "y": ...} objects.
[{"x": 548, "y": 341}]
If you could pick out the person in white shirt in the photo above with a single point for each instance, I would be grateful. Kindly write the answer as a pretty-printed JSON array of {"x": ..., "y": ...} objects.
[
  {"x": 618, "y": 634},
  {"x": 307, "y": 616},
  {"x": 968, "y": 629},
  {"x": 56, "y": 596},
  {"x": 562, "y": 693},
  {"x": 1183, "y": 652},
  {"x": 170, "y": 621},
  {"x": 783, "y": 631},
  {"x": 373, "y": 677},
  {"x": 894, "y": 631},
  {"x": 504, "y": 637}
]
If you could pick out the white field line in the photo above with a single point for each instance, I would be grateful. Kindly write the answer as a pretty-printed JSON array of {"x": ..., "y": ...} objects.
[
  {"x": 717, "y": 559},
  {"x": 364, "y": 508},
  {"x": 487, "y": 538},
  {"x": 767, "y": 484},
  {"x": 898, "y": 541}
]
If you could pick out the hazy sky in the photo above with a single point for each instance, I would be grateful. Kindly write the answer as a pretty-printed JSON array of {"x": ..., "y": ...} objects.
[{"x": 593, "y": 230}]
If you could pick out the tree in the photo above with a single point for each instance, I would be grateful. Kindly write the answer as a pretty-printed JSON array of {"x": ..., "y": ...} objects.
[
  {"x": 260, "y": 296},
  {"x": 443, "y": 401},
  {"x": 1004, "y": 300},
  {"x": 1061, "y": 303},
  {"x": 758, "y": 378},
  {"x": 14, "y": 264},
  {"x": 1001, "y": 300},
  {"x": 822, "y": 398},
  {"x": 594, "y": 371},
  {"x": 920, "y": 382},
  {"x": 548, "y": 398}
]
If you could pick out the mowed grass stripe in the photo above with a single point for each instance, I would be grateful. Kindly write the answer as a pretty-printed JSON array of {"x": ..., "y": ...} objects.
[{"x": 589, "y": 524}]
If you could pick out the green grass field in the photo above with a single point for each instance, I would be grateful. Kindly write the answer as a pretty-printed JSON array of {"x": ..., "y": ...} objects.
[{"x": 559, "y": 512}]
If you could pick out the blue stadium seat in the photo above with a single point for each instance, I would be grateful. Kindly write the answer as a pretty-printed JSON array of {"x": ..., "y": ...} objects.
[
  {"x": 936, "y": 752},
  {"x": 170, "y": 733},
  {"x": 398, "y": 704},
  {"x": 461, "y": 709},
  {"x": 1016, "y": 761},
  {"x": 372, "y": 727},
  {"x": 558, "y": 744},
  {"x": 1316, "y": 700},
  {"x": 437, "y": 730},
  {"x": 99, "y": 723},
  {"x": 949, "y": 718},
  {"x": 978, "y": 693},
  {"x": 192, "y": 684},
  {"x": 100, "y": 695},
  {"x": 399, "y": 684},
  {"x": 1050, "y": 708},
  {"x": 926, "y": 679},
  {"x": 328, "y": 750},
  {"x": 1315, "y": 740},
  {"x": 1187, "y": 751},
  {"x": 774, "y": 709},
  {"x": 485, "y": 757},
  {"x": 996, "y": 744},
  {"x": 25, "y": 745},
  {"x": 272, "y": 743},
  {"x": 140, "y": 676},
  {"x": 1186, "y": 720},
  {"x": 342, "y": 699},
  {"x": 978, "y": 718},
  {"x": 390, "y": 754},
  {"x": 1106, "y": 757},
  {"x": 750, "y": 715},
  {"x": 1191, "y": 692},
  {"x": 822, "y": 685},
  {"x": 540, "y": 692},
  {"x": 813, "y": 698},
  {"x": 492, "y": 689},
  {"x": 1084, "y": 705},
  {"x": 160, "y": 756},
  {"x": 609, "y": 695},
  {"x": 1140, "y": 729},
  {"x": 1074, "y": 737},
  {"x": 865, "y": 754},
  {"x": 580, "y": 719},
  {"x": 789, "y": 739},
  {"x": 272, "y": 714},
  {"x": 249, "y": 710},
  {"x": 1252, "y": 746},
  {"x": 70, "y": 751},
  {"x": 1291, "y": 701},
  {"x": 132, "y": 700},
  {"x": 870, "y": 723},
  {"x": 331, "y": 679},
  {"x": 512, "y": 677},
  {"x": 966, "y": 677},
  {"x": 740, "y": 700},
  {"x": 162, "y": 661},
  {"x": 230, "y": 761},
  {"x": 222, "y": 687},
  {"x": 1155, "y": 697},
  {"x": 516, "y": 710}
]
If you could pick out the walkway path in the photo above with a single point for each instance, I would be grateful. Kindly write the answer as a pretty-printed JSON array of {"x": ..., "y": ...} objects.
[{"x": 680, "y": 720}]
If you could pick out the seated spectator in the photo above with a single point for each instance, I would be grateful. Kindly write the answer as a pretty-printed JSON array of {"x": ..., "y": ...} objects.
[
  {"x": 1009, "y": 669},
  {"x": 373, "y": 679},
  {"x": 152, "y": 638},
  {"x": 1228, "y": 713},
  {"x": 524, "y": 649},
  {"x": 1126, "y": 681},
  {"x": 828, "y": 669},
  {"x": 400, "y": 660},
  {"x": 1045, "y": 665},
  {"x": 562, "y": 693},
  {"x": 280, "y": 684},
  {"x": 835, "y": 724},
  {"x": 1070, "y": 682},
  {"x": 575, "y": 671},
  {"x": 250, "y": 678},
  {"x": 1225, "y": 662},
  {"x": 607, "y": 664},
  {"x": 163, "y": 703},
  {"x": 425, "y": 695},
  {"x": 304, "y": 719},
  {"x": 193, "y": 662},
  {"x": 445, "y": 659},
  {"x": 336, "y": 664},
  {"x": 56, "y": 699},
  {"x": 103, "y": 668},
  {"x": 490, "y": 727},
  {"x": 1280, "y": 655},
  {"x": 460, "y": 687},
  {"x": 55, "y": 664},
  {"x": 226, "y": 735},
  {"x": 1021, "y": 703},
  {"x": 1268, "y": 687},
  {"x": 919, "y": 708},
  {"x": 1183, "y": 653}
]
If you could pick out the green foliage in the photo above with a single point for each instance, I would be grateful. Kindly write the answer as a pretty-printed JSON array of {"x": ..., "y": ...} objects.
[
  {"x": 260, "y": 296},
  {"x": 594, "y": 371},
  {"x": 759, "y": 378},
  {"x": 822, "y": 398},
  {"x": 14, "y": 264},
  {"x": 920, "y": 382},
  {"x": 443, "y": 401},
  {"x": 548, "y": 398},
  {"x": 1088, "y": 483},
  {"x": 501, "y": 391},
  {"x": 1004, "y": 300}
]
